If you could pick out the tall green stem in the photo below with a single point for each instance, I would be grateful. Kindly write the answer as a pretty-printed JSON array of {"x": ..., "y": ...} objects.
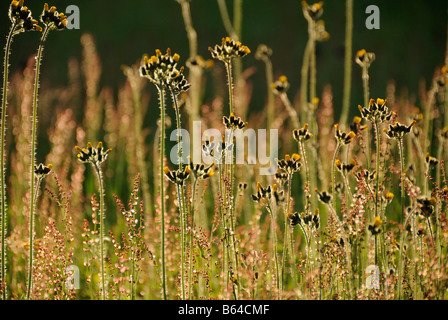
[
  {"x": 4, "y": 224},
  {"x": 99, "y": 174},
  {"x": 348, "y": 60},
  {"x": 333, "y": 174},
  {"x": 33, "y": 160}
]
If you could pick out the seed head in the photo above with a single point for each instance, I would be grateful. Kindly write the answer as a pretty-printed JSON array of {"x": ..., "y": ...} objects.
[{"x": 228, "y": 50}]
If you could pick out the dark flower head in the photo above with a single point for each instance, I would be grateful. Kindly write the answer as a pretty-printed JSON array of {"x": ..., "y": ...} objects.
[
  {"x": 228, "y": 50},
  {"x": 323, "y": 196},
  {"x": 202, "y": 171},
  {"x": 42, "y": 170},
  {"x": 426, "y": 206},
  {"x": 94, "y": 156},
  {"x": 52, "y": 18},
  {"x": 233, "y": 122},
  {"x": 375, "y": 228},
  {"x": 262, "y": 193},
  {"x": 345, "y": 168},
  {"x": 302, "y": 134},
  {"x": 343, "y": 137},
  {"x": 279, "y": 196},
  {"x": 21, "y": 16},
  {"x": 398, "y": 130},
  {"x": 377, "y": 111},
  {"x": 365, "y": 175},
  {"x": 290, "y": 164},
  {"x": 281, "y": 85},
  {"x": 431, "y": 161},
  {"x": 311, "y": 220},
  {"x": 356, "y": 125},
  {"x": 177, "y": 176}
]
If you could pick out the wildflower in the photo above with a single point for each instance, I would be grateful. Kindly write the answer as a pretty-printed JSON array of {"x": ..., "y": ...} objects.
[
  {"x": 162, "y": 71},
  {"x": 345, "y": 168},
  {"x": 366, "y": 175},
  {"x": 201, "y": 171},
  {"x": 95, "y": 156},
  {"x": 281, "y": 85},
  {"x": 313, "y": 11},
  {"x": 398, "y": 130},
  {"x": 388, "y": 197},
  {"x": 233, "y": 122},
  {"x": 279, "y": 196},
  {"x": 263, "y": 53},
  {"x": 430, "y": 161},
  {"x": 356, "y": 126},
  {"x": 310, "y": 220},
  {"x": 177, "y": 176},
  {"x": 21, "y": 16},
  {"x": 364, "y": 59},
  {"x": 376, "y": 111},
  {"x": 426, "y": 206},
  {"x": 262, "y": 193},
  {"x": 53, "y": 19},
  {"x": 375, "y": 228},
  {"x": 42, "y": 170},
  {"x": 302, "y": 134},
  {"x": 444, "y": 133},
  {"x": 229, "y": 50},
  {"x": 323, "y": 196},
  {"x": 290, "y": 164},
  {"x": 281, "y": 175},
  {"x": 199, "y": 61},
  {"x": 343, "y": 137}
]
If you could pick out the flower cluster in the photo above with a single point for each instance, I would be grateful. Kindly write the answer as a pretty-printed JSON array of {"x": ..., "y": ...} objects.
[
  {"x": 233, "y": 122},
  {"x": 228, "y": 50},
  {"x": 356, "y": 125},
  {"x": 426, "y": 206},
  {"x": 21, "y": 16},
  {"x": 302, "y": 134},
  {"x": 161, "y": 69},
  {"x": 280, "y": 86},
  {"x": 365, "y": 175},
  {"x": 323, "y": 196},
  {"x": 364, "y": 59},
  {"x": 431, "y": 161},
  {"x": 345, "y": 168},
  {"x": 177, "y": 176},
  {"x": 94, "y": 156},
  {"x": 53, "y": 19},
  {"x": 377, "y": 111},
  {"x": 398, "y": 130},
  {"x": 310, "y": 220},
  {"x": 201, "y": 171},
  {"x": 343, "y": 137},
  {"x": 290, "y": 164}
]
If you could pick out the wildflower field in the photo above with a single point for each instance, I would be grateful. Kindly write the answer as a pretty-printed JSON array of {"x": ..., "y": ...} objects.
[{"x": 210, "y": 173}]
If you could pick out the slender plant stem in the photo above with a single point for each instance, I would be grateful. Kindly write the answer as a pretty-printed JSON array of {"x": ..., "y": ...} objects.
[
  {"x": 274, "y": 248},
  {"x": 347, "y": 60},
  {"x": 162, "y": 189},
  {"x": 400, "y": 147},
  {"x": 33, "y": 160},
  {"x": 365, "y": 81},
  {"x": 333, "y": 174},
  {"x": 102, "y": 252},
  {"x": 4, "y": 224}
]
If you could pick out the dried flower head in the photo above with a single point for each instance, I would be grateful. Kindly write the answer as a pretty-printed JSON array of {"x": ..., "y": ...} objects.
[
  {"x": 365, "y": 175},
  {"x": 262, "y": 193},
  {"x": 313, "y": 11},
  {"x": 177, "y": 176},
  {"x": 52, "y": 18},
  {"x": 263, "y": 53},
  {"x": 280, "y": 86},
  {"x": 279, "y": 195},
  {"x": 95, "y": 156},
  {"x": 356, "y": 125},
  {"x": 364, "y": 59},
  {"x": 21, "y": 16},
  {"x": 375, "y": 228},
  {"x": 345, "y": 168},
  {"x": 426, "y": 206},
  {"x": 377, "y": 111},
  {"x": 201, "y": 171},
  {"x": 162, "y": 71},
  {"x": 343, "y": 137},
  {"x": 233, "y": 122},
  {"x": 290, "y": 164},
  {"x": 228, "y": 50},
  {"x": 398, "y": 131},
  {"x": 323, "y": 196},
  {"x": 431, "y": 161},
  {"x": 311, "y": 219},
  {"x": 42, "y": 170},
  {"x": 302, "y": 134}
]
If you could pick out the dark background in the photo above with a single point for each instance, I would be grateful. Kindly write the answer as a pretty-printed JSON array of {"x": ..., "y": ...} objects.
[{"x": 409, "y": 46}]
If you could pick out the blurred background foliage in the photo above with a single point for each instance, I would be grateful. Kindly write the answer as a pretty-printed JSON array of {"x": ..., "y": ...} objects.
[{"x": 409, "y": 46}]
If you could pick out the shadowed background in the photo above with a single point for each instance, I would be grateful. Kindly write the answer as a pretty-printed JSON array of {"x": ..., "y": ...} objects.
[{"x": 409, "y": 46}]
